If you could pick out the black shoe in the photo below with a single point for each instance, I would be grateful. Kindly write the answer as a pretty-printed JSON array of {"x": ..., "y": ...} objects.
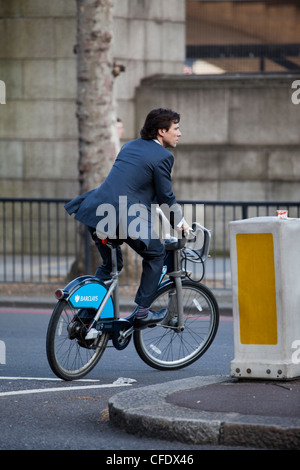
[{"x": 151, "y": 319}]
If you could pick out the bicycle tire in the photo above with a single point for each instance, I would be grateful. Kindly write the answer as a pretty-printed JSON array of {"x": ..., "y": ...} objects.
[
  {"x": 165, "y": 348},
  {"x": 71, "y": 357}
]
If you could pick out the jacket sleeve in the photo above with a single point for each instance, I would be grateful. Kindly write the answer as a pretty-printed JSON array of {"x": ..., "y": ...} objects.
[{"x": 164, "y": 192}]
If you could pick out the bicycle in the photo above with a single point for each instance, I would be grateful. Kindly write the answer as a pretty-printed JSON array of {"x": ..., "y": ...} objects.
[{"x": 87, "y": 316}]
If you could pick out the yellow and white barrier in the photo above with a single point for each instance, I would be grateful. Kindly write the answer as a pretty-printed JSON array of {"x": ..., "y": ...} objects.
[{"x": 265, "y": 268}]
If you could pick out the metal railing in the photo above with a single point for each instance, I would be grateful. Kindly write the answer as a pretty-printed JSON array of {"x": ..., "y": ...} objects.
[
  {"x": 40, "y": 243},
  {"x": 281, "y": 54}
]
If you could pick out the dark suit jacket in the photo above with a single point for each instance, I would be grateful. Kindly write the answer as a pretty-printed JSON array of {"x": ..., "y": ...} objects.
[{"x": 141, "y": 175}]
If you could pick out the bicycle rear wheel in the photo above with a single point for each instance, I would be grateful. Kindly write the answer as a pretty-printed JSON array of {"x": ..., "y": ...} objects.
[
  {"x": 165, "y": 347},
  {"x": 69, "y": 355}
]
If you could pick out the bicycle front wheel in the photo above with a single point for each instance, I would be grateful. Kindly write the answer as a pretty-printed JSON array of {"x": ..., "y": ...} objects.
[
  {"x": 165, "y": 346},
  {"x": 69, "y": 355}
]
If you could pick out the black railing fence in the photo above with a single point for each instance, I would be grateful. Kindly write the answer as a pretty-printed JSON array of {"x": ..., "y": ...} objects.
[
  {"x": 281, "y": 54},
  {"x": 39, "y": 242}
]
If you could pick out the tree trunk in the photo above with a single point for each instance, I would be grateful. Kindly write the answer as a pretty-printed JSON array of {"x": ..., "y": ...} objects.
[
  {"x": 95, "y": 102},
  {"x": 95, "y": 110}
]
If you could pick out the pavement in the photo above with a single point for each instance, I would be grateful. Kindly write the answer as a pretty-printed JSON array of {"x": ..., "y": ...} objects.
[{"x": 209, "y": 410}]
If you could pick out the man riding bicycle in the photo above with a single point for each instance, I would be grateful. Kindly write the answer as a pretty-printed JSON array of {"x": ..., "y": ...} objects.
[{"x": 141, "y": 175}]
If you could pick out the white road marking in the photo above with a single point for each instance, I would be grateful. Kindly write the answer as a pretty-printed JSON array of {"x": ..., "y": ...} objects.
[
  {"x": 60, "y": 389},
  {"x": 46, "y": 379}
]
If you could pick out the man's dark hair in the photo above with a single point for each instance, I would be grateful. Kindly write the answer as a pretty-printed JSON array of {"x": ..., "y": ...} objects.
[{"x": 158, "y": 119}]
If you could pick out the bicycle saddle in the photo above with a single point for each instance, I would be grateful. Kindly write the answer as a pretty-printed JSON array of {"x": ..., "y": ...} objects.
[{"x": 115, "y": 242}]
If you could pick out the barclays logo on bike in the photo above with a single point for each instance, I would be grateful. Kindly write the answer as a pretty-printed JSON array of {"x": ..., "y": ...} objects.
[
  {"x": 89, "y": 295},
  {"x": 86, "y": 298}
]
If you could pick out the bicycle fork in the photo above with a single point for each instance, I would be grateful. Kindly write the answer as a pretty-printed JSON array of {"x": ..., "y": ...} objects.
[{"x": 175, "y": 303}]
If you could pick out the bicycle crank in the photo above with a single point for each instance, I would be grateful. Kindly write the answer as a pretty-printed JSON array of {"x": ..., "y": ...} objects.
[
  {"x": 120, "y": 330},
  {"x": 122, "y": 338}
]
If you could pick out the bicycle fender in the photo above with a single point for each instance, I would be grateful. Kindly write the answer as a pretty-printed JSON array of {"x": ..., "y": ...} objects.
[
  {"x": 75, "y": 283},
  {"x": 165, "y": 283},
  {"x": 88, "y": 292}
]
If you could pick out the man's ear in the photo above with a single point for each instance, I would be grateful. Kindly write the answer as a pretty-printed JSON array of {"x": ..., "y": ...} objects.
[{"x": 161, "y": 132}]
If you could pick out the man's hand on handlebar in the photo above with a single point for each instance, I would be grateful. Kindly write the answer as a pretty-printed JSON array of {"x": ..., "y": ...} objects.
[{"x": 185, "y": 228}]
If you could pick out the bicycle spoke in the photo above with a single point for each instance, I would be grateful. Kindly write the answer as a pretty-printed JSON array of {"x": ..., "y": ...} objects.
[
  {"x": 166, "y": 347},
  {"x": 69, "y": 355}
]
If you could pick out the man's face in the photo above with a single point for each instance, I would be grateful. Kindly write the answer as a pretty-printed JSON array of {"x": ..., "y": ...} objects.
[{"x": 169, "y": 138}]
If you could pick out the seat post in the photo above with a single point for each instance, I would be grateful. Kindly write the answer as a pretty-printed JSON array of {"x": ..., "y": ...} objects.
[
  {"x": 115, "y": 280},
  {"x": 114, "y": 263}
]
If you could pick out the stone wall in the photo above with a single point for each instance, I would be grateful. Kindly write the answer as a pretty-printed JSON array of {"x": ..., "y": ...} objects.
[
  {"x": 243, "y": 131},
  {"x": 149, "y": 39},
  {"x": 240, "y": 138},
  {"x": 240, "y": 135},
  {"x": 38, "y": 127}
]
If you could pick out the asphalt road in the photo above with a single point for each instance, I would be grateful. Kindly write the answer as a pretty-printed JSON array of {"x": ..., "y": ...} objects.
[{"x": 40, "y": 412}]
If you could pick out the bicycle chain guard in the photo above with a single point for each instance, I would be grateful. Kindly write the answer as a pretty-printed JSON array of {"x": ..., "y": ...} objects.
[{"x": 118, "y": 328}]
